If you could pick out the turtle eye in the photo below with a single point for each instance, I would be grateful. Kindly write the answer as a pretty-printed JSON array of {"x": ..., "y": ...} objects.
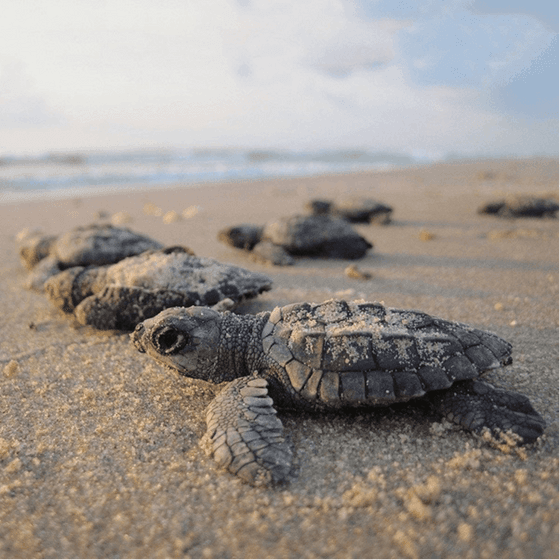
[{"x": 169, "y": 340}]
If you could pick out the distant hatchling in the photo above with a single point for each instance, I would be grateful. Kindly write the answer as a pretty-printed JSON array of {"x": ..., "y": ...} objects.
[
  {"x": 279, "y": 241},
  {"x": 47, "y": 255},
  {"x": 521, "y": 206},
  {"x": 333, "y": 355}
]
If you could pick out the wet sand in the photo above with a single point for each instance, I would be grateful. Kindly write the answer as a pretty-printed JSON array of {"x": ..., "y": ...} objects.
[{"x": 99, "y": 446}]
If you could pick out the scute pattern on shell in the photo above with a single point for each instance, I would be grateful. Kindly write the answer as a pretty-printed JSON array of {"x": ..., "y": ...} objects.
[
  {"x": 349, "y": 353},
  {"x": 101, "y": 244},
  {"x": 178, "y": 271}
]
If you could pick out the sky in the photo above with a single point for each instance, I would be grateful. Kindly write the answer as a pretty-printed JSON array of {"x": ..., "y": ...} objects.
[{"x": 420, "y": 77}]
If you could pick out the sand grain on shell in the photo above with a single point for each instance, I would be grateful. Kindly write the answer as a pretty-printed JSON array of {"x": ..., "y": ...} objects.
[{"x": 99, "y": 446}]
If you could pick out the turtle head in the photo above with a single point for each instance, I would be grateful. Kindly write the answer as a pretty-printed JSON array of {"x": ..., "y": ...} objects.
[{"x": 183, "y": 339}]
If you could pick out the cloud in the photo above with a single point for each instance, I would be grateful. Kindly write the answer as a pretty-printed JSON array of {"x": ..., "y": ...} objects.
[
  {"x": 354, "y": 45},
  {"x": 20, "y": 106},
  {"x": 325, "y": 36},
  {"x": 386, "y": 75}
]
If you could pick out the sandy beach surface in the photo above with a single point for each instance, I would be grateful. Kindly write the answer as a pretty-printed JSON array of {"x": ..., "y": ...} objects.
[{"x": 99, "y": 446}]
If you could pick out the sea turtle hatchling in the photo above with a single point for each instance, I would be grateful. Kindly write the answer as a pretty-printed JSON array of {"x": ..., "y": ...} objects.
[
  {"x": 96, "y": 244},
  {"x": 120, "y": 295},
  {"x": 352, "y": 209},
  {"x": 278, "y": 241},
  {"x": 331, "y": 355},
  {"x": 521, "y": 206}
]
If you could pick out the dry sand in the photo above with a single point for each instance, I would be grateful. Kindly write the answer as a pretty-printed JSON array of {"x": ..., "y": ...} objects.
[{"x": 99, "y": 453}]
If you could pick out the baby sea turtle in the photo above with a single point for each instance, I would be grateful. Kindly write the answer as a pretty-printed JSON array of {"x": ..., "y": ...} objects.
[
  {"x": 121, "y": 295},
  {"x": 331, "y": 355},
  {"x": 521, "y": 207},
  {"x": 46, "y": 255},
  {"x": 280, "y": 240},
  {"x": 353, "y": 209}
]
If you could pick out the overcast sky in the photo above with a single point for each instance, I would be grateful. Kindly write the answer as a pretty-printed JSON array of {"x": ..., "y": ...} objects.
[{"x": 420, "y": 76}]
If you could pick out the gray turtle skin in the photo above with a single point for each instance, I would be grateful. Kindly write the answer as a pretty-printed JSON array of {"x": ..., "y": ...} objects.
[
  {"x": 121, "y": 295},
  {"x": 47, "y": 255},
  {"x": 279, "y": 241},
  {"x": 333, "y": 355},
  {"x": 243, "y": 236}
]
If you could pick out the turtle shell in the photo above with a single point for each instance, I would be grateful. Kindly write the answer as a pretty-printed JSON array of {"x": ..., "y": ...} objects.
[
  {"x": 341, "y": 353},
  {"x": 83, "y": 246},
  {"x": 321, "y": 236},
  {"x": 100, "y": 244}
]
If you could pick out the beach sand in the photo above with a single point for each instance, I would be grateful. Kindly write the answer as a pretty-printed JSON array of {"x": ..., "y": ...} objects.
[{"x": 99, "y": 446}]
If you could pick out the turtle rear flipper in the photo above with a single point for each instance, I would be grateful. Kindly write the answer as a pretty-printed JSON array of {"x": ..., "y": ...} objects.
[
  {"x": 476, "y": 405},
  {"x": 245, "y": 434}
]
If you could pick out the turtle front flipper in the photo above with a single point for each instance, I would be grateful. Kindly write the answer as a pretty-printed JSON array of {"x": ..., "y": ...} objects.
[
  {"x": 476, "y": 405},
  {"x": 123, "y": 307},
  {"x": 245, "y": 433},
  {"x": 46, "y": 268},
  {"x": 69, "y": 287}
]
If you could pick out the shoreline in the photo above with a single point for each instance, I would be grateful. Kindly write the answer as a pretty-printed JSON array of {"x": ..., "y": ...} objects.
[
  {"x": 99, "y": 446},
  {"x": 63, "y": 193}
]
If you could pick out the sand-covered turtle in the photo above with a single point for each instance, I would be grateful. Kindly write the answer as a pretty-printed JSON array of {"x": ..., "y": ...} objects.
[
  {"x": 520, "y": 206},
  {"x": 121, "y": 295},
  {"x": 352, "y": 209},
  {"x": 280, "y": 240},
  {"x": 331, "y": 355},
  {"x": 46, "y": 255}
]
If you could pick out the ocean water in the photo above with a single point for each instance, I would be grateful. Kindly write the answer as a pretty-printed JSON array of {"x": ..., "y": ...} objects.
[{"x": 72, "y": 174}]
